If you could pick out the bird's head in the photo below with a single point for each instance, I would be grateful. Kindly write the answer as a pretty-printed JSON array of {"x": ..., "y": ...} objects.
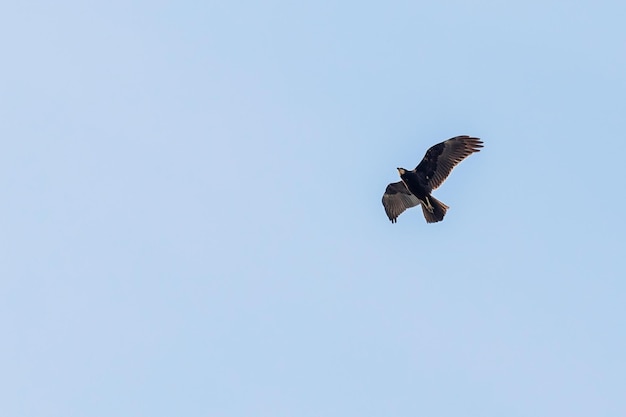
[{"x": 401, "y": 171}]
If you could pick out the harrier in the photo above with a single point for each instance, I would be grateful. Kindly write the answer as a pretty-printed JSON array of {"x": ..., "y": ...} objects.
[{"x": 416, "y": 185}]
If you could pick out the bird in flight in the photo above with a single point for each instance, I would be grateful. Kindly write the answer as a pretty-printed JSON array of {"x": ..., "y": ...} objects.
[{"x": 416, "y": 185}]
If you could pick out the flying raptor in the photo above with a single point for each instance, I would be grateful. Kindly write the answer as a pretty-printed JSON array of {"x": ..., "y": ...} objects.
[{"x": 416, "y": 185}]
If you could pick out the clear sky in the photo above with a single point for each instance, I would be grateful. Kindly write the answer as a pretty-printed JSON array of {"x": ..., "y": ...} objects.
[{"x": 191, "y": 210}]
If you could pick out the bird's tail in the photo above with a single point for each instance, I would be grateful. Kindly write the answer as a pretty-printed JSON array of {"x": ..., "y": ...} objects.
[{"x": 438, "y": 210}]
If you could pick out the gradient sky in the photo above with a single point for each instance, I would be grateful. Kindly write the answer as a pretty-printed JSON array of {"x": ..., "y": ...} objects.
[{"x": 192, "y": 226}]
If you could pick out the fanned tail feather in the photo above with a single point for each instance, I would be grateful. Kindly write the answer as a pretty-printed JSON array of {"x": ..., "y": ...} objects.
[{"x": 439, "y": 210}]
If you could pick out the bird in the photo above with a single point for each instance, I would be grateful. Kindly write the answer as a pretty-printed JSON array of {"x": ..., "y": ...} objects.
[{"x": 415, "y": 186}]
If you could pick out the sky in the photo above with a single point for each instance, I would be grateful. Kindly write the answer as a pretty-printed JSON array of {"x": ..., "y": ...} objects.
[{"x": 192, "y": 221}]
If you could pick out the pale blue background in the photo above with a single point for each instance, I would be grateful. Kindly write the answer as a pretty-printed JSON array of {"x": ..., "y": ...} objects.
[{"x": 191, "y": 219}]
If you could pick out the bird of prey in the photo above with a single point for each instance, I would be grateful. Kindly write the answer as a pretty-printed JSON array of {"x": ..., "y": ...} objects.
[{"x": 416, "y": 185}]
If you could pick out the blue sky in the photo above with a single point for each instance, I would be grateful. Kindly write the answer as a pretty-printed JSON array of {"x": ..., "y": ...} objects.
[{"x": 192, "y": 223}]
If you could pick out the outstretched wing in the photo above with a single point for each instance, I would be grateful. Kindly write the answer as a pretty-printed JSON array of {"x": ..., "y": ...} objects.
[
  {"x": 397, "y": 199},
  {"x": 441, "y": 158}
]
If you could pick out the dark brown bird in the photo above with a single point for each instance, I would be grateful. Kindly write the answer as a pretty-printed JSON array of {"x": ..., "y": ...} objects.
[{"x": 416, "y": 185}]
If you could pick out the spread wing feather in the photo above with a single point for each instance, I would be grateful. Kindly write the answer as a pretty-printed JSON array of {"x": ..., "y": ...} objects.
[
  {"x": 397, "y": 199},
  {"x": 441, "y": 158}
]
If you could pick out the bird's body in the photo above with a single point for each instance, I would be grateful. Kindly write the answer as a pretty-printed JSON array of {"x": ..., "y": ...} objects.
[{"x": 416, "y": 185}]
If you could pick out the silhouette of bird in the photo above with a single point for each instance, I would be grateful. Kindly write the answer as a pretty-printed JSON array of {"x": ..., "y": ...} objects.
[{"x": 416, "y": 186}]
